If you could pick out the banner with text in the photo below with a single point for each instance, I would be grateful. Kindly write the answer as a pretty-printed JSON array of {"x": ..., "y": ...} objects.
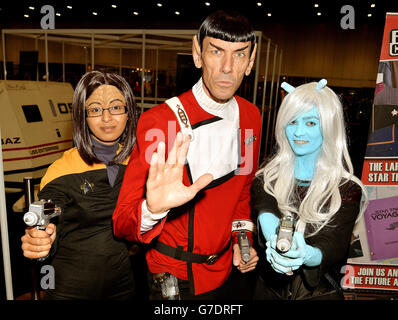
[{"x": 373, "y": 256}]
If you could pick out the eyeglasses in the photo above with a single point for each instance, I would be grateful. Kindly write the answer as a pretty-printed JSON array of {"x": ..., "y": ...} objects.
[{"x": 98, "y": 111}]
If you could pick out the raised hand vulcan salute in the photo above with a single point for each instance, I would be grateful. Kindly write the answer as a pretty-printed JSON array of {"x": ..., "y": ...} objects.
[{"x": 165, "y": 188}]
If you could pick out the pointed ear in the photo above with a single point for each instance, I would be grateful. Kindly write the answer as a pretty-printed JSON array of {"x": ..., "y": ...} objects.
[
  {"x": 196, "y": 54},
  {"x": 251, "y": 61}
]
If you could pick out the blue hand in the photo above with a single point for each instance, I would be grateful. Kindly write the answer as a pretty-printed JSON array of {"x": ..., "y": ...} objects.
[
  {"x": 269, "y": 224},
  {"x": 300, "y": 253},
  {"x": 304, "y": 253},
  {"x": 279, "y": 263}
]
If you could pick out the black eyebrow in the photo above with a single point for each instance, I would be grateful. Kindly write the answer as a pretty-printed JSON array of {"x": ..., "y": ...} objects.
[{"x": 237, "y": 50}]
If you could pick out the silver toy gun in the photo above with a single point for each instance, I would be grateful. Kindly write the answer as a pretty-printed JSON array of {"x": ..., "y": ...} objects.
[
  {"x": 244, "y": 246},
  {"x": 39, "y": 215},
  {"x": 285, "y": 235},
  {"x": 168, "y": 285}
]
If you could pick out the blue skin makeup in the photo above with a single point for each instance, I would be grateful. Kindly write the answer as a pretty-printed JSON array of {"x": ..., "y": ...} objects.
[{"x": 305, "y": 138}]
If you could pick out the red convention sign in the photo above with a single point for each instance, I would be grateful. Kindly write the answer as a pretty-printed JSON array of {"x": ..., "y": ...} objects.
[
  {"x": 380, "y": 172},
  {"x": 380, "y": 277}
]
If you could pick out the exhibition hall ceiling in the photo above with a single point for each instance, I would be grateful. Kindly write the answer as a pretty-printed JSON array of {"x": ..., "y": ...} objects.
[{"x": 173, "y": 14}]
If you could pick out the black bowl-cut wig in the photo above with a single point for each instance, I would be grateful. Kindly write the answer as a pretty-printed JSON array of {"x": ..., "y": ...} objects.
[{"x": 227, "y": 26}]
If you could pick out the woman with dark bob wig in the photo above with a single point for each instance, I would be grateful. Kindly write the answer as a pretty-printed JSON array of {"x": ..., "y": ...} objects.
[{"x": 88, "y": 261}]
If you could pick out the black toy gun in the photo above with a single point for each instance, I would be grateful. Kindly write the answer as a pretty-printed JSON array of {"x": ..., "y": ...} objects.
[
  {"x": 40, "y": 213},
  {"x": 244, "y": 246}
]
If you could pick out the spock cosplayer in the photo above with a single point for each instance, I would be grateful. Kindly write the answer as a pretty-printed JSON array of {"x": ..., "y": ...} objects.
[{"x": 190, "y": 206}]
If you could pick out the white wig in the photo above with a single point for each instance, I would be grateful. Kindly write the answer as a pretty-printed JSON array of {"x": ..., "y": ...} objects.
[{"x": 333, "y": 167}]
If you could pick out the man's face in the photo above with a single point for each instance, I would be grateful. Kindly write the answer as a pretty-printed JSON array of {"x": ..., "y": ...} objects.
[{"x": 223, "y": 66}]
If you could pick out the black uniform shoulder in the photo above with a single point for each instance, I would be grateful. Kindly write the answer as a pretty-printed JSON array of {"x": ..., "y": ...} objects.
[{"x": 350, "y": 191}]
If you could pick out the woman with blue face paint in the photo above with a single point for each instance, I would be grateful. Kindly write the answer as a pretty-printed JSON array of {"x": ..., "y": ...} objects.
[{"x": 308, "y": 182}]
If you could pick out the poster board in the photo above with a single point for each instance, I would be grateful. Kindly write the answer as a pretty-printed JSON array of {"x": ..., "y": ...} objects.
[{"x": 373, "y": 258}]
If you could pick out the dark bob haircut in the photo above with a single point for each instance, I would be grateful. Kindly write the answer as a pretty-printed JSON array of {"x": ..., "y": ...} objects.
[
  {"x": 227, "y": 26},
  {"x": 81, "y": 132}
]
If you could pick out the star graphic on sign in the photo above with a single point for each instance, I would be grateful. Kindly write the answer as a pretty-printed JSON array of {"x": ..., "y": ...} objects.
[{"x": 394, "y": 112}]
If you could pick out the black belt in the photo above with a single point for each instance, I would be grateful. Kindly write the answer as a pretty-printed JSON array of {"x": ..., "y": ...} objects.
[{"x": 179, "y": 253}]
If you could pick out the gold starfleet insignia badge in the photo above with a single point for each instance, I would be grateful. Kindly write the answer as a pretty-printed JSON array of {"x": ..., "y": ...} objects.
[
  {"x": 250, "y": 140},
  {"x": 182, "y": 115},
  {"x": 87, "y": 187}
]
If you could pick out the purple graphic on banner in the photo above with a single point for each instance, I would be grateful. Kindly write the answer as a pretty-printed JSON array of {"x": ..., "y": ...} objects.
[{"x": 381, "y": 219}]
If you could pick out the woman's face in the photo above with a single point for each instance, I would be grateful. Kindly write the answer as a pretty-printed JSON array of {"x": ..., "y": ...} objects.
[
  {"x": 304, "y": 133},
  {"x": 106, "y": 127}
]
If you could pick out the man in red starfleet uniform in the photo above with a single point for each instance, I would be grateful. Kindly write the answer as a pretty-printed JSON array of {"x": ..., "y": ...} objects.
[{"x": 191, "y": 206}]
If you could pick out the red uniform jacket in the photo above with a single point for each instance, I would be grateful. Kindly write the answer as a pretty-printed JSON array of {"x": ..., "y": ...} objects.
[{"x": 205, "y": 228}]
